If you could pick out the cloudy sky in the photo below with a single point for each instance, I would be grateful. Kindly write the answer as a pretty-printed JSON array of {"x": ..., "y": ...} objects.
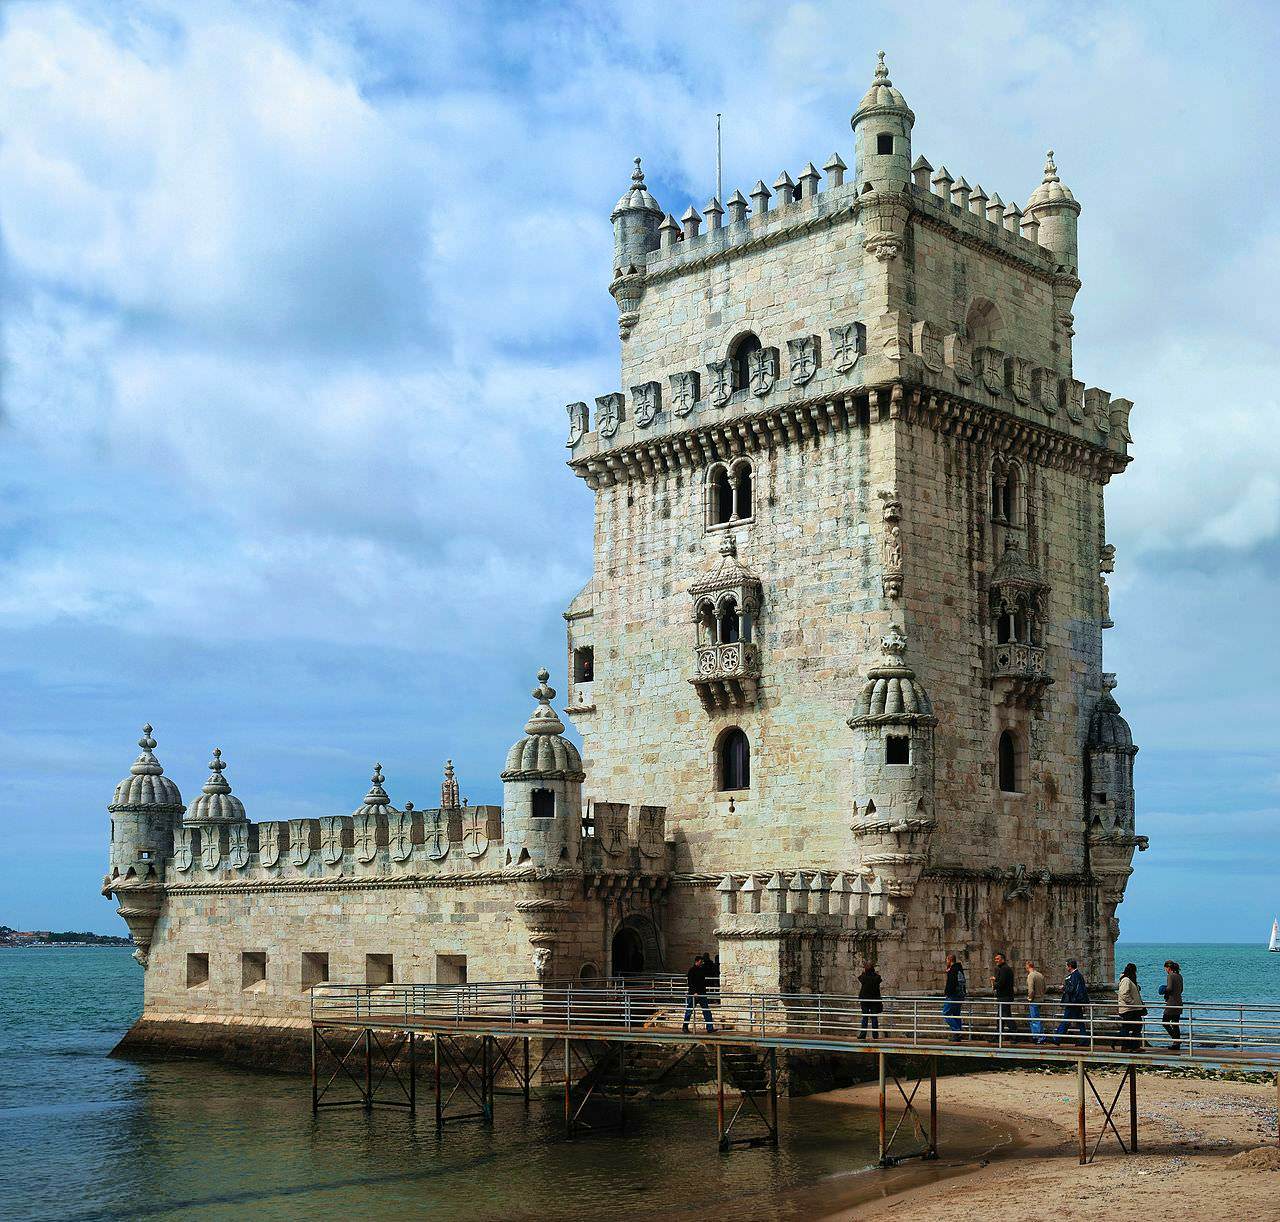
[{"x": 294, "y": 294}]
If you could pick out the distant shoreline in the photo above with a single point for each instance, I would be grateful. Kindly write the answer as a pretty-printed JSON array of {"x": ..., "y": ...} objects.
[{"x": 65, "y": 945}]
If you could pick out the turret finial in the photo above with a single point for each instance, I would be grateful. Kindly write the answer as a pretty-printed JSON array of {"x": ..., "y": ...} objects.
[
  {"x": 146, "y": 764},
  {"x": 894, "y": 644},
  {"x": 882, "y": 72},
  {"x": 449, "y": 788},
  {"x": 1050, "y": 170},
  {"x": 543, "y": 719},
  {"x": 637, "y": 176},
  {"x": 216, "y": 783},
  {"x": 146, "y": 742}
]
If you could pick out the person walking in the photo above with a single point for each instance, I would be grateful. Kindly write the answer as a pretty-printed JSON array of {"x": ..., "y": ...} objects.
[
  {"x": 1075, "y": 996},
  {"x": 713, "y": 974},
  {"x": 1002, "y": 983},
  {"x": 954, "y": 991},
  {"x": 1130, "y": 1009},
  {"x": 869, "y": 1001},
  {"x": 696, "y": 979},
  {"x": 1035, "y": 999},
  {"x": 1171, "y": 991}
]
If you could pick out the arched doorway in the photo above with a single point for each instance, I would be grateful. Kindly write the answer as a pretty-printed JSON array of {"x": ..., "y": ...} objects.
[{"x": 628, "y": 952}]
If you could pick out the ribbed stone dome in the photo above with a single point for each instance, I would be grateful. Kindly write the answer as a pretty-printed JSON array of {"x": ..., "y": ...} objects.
[
  {"x": 216, "y": 803},
  {"x": 1051, "y": 190},
  {"x": 544, "y": 753},
  {"x": 1108, "y": 730},
  {"x": 637, "y": 196},
  {"x": 146, "y": 787},
  {"x": 882, "y": 93},
  {"x": 891, "y": 694}
]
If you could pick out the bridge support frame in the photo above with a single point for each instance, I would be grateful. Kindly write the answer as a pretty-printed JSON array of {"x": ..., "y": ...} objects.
[
  {"x": 929, "y": 1140},
  {"x": 757, "y": 1096},
  {"x": 472, "y": 1072},
  {"x": 595, "y": 1064},
  {"x": 368, "y": 1063},
  {"x": 1084, "y": 1079}
]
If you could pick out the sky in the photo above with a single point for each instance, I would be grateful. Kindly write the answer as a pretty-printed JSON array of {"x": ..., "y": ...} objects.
[{"x": 292, "y": 297}]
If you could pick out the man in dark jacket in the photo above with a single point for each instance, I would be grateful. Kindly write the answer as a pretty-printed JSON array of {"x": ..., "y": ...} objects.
[
  {"x": 1171, "y": 991},
  {"x": 697, "y": 994},
  {"x": 1002, "y": 983},
  {"x": 954, "y": 991},
  {"x": 1075, "y": 996}
]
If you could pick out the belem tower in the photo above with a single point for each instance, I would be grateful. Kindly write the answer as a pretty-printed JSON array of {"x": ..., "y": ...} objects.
[{"x": 838, "y": 673}]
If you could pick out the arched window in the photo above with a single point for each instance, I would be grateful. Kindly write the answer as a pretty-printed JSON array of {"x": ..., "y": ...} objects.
[
  {"x": 741, "y": 489},
  {"x": 983, "y": 323},
  {"x": 706, "y": 623},
  {"x": 1008, "y": 752},
  {"x": 734, "y": 763},
  {"x": 740, "y": 355},
  {"x": 729, "y": 627},
  {"x": 721, "y": 495}
]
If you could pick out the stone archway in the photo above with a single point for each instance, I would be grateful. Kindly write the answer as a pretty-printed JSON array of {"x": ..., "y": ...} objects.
[{"x": 635, "y": 947}]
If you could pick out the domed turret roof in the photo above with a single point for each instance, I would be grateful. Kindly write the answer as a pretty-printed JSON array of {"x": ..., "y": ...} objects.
[
  {"x": 146, "y": 787},
  {"x": 637, "y": 196},
  {"x": 891, "y": 694},
  {"x": 376, "y": 801},
  {"x": 1108, "y": 730},
  {"x": 216, "y": 803},
  {"x": 544, "y": 753},
  {"x": 1014, "y": 569},
  {"x": 1051, "y": 190},
  {"x": 882, "y": 94},
  {"x": 726, "y": 572}
]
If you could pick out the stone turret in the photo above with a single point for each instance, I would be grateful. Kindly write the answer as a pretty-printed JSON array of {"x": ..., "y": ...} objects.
[
  {"x": 636, "y": 220},
  {"x": 145, "y": 812},
  {"x": 1055, "y": 209},
  {"x": 882, "y": 135},
  {"x": 542, "y": 789},
  {"x": 218, "y": 817},
  {"x": 893, "y": 771}
]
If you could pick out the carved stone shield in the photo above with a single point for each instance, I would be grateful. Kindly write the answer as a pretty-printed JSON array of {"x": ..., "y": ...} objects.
[
  {"x": 578, "y": 420},
  {"x": 1044, "y": 390},
  {"x": 646, "y": 399},
  {"x": 762, "y": 371},
  {"x": 435, "y": 825},
  {"x": 238, "y": 846},
  {"x": 269, "y": 843},
  {"x": 958, "y": 354},
  {"x": 804, "y": 358},
  {"x": 331, "y": 839},
  {"x": 210, "y": 848},
  {"x": 366, "y": 831},
  {"x": 401, "y": 837},
  {"x": 847, "y": 344},
  {"x": 1075, "y": 400},
  {"x": 611, "y": 827},
  {"x": 608, "y": 414},
  {"x": 684, "y": 392},
  {"x": 299, "y": 841},
  {"x": 475, "y": 835},
  {"x": 651, "y": 834},
  {"x": 721, "y": 381},
  {"x": 990, "y": 368},
  {"x": 1017, "y": 377},
  {"x": 927, "y": 345},
  {"x": 182, "y": 852}
]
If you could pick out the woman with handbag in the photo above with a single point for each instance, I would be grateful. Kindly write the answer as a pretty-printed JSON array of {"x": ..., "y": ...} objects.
[{"x": 1130, "y": 1009}]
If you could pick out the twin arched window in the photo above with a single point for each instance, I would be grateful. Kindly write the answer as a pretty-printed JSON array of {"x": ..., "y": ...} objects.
[
  {"x": 723, "y": 622},
  {"x": 733, "y": 760},
  {"x": 729, "y": 493},
  {"x": 1006, "y": 485}
]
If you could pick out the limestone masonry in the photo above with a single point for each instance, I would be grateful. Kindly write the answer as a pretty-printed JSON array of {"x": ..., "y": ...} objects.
[{"x": 838, "y": 673}]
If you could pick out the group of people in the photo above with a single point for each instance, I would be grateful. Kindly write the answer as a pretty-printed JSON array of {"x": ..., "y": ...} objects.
[{"x": 1131, "y": 1010}]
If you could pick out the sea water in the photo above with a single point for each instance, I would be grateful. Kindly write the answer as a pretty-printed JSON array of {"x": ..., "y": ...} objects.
[{"x": 83, "y": 1136}]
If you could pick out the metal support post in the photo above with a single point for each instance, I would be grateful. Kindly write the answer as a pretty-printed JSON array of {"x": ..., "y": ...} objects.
[
  {"x": 315, "y": 1082},
  {"x": 773, "y": 1093},
  {"x": 568, "y": 1101},
  {"x": 883, "y": 1144},
  {"x": 720, "y": 1141},
  {"x": 1084, "y": 1146},
  {"x": 435, "y": 1057},
  {"x": 622, "y": 1085},
  {"x": 526, "y": 1071},
  {"x": 413, "y": 1075},
  {"x": 368, "y": 1069},
  {"x": 486, "y": 1078},
  {"x": 1133, "y": 1109},
  {"x": 933, "y": 1107}
]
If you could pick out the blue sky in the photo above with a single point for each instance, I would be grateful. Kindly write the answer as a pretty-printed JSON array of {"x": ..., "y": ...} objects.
[{"x": 293, "y": 297}]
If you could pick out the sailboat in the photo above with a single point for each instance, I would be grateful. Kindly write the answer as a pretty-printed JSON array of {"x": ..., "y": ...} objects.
[{"x": 1274, "y": 944}]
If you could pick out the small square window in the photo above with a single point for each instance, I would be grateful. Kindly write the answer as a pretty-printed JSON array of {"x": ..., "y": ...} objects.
[
  {"x": 378, "y": 970},
  {"x": 197, "y": 971},
  {"x": 884, "y": 144},
  {"x": 544, "y": 804},
  {"x": 1100, "y": 799},
  {"x": 897, "y": 749},
  {"x": 315, "y": 968},
  {"x": 253, "y": 969},
  {"x": 451, "y": 969},
  {"x": 584, "y": 664}
]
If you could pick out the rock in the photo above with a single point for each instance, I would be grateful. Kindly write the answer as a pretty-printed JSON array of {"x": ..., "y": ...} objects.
[{"x": 1264, "y": 1158}]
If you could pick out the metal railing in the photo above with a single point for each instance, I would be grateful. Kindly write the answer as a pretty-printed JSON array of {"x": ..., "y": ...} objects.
[{"x": 1239, "y": 1033}]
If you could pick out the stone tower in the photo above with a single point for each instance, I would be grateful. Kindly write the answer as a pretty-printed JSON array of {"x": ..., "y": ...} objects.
[{"x": 848, "y": 415}]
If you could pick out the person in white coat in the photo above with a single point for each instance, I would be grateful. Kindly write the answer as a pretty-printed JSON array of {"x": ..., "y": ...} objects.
[{"x": 1130, "y": 1009}]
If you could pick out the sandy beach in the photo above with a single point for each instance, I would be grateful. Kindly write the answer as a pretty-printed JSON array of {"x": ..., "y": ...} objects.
[{"x": 1190, "y": 1130}]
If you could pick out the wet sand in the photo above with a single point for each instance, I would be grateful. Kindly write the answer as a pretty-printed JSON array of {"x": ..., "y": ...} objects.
[{"x": 1189, "y": 1130}]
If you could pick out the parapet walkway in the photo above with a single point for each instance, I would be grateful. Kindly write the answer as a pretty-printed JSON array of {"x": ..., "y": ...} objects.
[{"x": 580, "y": 1037}]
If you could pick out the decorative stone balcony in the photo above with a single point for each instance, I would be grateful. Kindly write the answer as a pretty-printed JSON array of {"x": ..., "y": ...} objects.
[
  {"x": 727, "y": 675},
  {"x": 1018, "y": 673}
]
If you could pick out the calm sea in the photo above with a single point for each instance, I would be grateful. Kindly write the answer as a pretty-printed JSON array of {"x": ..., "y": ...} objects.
[{"x": 83, "y": 1136}]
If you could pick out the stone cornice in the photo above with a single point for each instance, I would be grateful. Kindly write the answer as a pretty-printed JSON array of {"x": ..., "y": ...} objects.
[{"x": 785, "y": 424}]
